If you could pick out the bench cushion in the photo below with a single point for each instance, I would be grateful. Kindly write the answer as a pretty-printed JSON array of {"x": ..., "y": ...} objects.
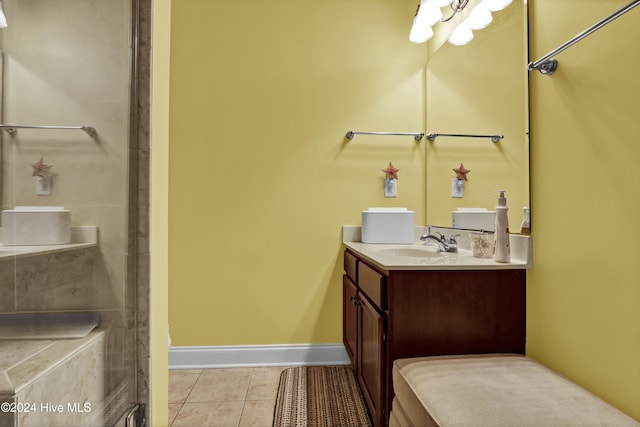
[{"x": 493, "y": 390}]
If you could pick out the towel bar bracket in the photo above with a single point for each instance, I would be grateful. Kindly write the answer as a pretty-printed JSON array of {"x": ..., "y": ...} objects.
[{"x": 547, "y": 67}]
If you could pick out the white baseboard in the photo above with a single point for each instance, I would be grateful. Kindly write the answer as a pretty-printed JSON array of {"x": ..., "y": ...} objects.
[{"x": 187, "y": 357}]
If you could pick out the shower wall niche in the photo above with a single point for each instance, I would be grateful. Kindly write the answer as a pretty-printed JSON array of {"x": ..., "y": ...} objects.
[{"x": 69, "y": 63}]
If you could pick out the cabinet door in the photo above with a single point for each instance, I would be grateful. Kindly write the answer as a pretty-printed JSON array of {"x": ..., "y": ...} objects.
[
  {"x": 370, "y": 358},
  {"x": 350, "y": 318}
]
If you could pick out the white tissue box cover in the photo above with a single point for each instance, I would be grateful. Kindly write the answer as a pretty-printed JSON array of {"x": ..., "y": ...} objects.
[
  {"x": 388, "y": 225},
  {"x": 36, "y": 225},
  {"x": 474, "y": 219}
]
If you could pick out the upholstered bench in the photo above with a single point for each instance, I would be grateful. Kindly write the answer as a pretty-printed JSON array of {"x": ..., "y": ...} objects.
[{"x": 492, "y": 390}]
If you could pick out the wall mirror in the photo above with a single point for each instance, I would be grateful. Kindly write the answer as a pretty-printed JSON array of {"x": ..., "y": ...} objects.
[{"x": 479, "y": 88}]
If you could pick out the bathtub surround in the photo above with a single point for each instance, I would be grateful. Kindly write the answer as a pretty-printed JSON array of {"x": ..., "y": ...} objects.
[
  {"x": 24, "y": 329},
  {"x": 67, "y": 278},
  {"x": 44, "y": 373},
  {"x": 138, "y": 254},
  {"x": 103, "y": 178},
  {"x": 56, "y": 281},
  {"x": 81, "y": 237}
]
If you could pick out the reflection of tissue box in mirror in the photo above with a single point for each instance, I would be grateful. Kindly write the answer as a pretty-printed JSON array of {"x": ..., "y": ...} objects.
[
  {"x": 388, "y": 225},
  {"x": 36, "y": 225},
  {"x": 474, "y": 219}
]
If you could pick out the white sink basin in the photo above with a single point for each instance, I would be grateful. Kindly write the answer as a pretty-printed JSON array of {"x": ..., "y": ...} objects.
[
  {"x": 36, "y": 225},
  {"x": 411, "y": 251}
]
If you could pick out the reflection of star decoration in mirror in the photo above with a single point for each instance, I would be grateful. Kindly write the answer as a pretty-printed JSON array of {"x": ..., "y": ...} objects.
[
  {"x": 41, "y": 169},
  {"x": 391, "y": 171},
  {"x": 461, "y": 172}
]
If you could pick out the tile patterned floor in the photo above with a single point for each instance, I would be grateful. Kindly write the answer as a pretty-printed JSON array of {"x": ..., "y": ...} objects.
[{"x": 234, "y": 397}]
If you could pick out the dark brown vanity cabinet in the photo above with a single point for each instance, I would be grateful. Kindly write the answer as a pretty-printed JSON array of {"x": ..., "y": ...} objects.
[
  {"x": 363, "y": 331},
  {"x": 392, "y": 314}
]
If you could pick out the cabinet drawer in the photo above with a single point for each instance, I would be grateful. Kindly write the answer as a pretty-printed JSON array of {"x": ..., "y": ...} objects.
[
  {"x": 351, "y": 266},
  {"x": 372, "y": 284}
]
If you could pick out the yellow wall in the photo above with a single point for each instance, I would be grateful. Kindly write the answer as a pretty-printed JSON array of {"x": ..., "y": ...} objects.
[
  {"x": 261, "y": 97},
  {"x": 159, "y": 221},
  {"x": 584, "y": 293},
  {"x": 262, "y": 94}
]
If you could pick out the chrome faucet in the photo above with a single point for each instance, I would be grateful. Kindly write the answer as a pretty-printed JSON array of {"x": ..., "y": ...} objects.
[{"x": 444, "y": 244}]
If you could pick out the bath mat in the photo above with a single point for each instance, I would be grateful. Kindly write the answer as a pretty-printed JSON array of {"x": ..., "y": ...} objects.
[{"x": 314, "y": 396}]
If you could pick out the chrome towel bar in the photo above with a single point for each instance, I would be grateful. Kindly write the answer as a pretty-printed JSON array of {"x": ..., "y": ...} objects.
[
  {"x": 548, "y": 66},
  {"x": 494, "y": 138},
  {"x": 416, "y": 135},
  {"x": 13, "y": 129}
]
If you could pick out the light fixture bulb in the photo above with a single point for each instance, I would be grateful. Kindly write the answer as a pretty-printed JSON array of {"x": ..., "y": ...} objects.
[
  {"x": 3, "y": 18},
  {"x": 441, "y": 3},
  {"x": 479, "y": 18},
  {"x": 429, "y": 13},
  {"x": 420, "y": 32},
  {"x": 495, "y": 5},
  {"x": 461, "y": 36}
]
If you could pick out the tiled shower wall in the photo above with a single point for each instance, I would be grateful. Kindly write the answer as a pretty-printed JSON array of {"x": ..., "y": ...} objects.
[
  {"x": 139, "y": 201},
  {"x": 68, "y": 62}
]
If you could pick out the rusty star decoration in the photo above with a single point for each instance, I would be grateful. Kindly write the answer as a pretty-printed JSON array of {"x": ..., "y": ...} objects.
[
  {"x": 461, "y": 172},
  {"x": 391, "y": 171},
  {"x": 40, "y": 169}
]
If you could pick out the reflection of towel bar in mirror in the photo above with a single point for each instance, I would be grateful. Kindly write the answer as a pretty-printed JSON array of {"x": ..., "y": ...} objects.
[
  {"x": 416, "y": 135},
  {"x": 494, "y": 138},
  {"x": 13, "y": 129}
]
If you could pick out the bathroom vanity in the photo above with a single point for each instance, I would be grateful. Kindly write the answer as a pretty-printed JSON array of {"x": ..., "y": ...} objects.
[{"x": 399, "y": 304}]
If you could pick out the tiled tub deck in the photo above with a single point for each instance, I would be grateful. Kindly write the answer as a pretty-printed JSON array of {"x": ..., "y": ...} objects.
[{"x": 52, "y": 382}]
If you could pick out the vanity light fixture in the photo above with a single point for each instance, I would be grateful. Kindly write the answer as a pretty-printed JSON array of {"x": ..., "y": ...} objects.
[
  {"x": 461, "y": 35},
  {"x": 479, "y": 18},
  {"x": 3, "y": 18},
  {"x": 429, "y": 13}
]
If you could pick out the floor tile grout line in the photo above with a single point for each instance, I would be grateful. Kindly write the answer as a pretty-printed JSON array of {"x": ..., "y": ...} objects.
[
  {"x": 191, "y": 389},
  {"x": 246, "y": 394},
  {"x": 186, "y": 398},
  {"x": 177, "y": 413}
]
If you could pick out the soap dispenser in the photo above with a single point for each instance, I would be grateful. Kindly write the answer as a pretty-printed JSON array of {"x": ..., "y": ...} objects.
[{"x": 501, "y": 252}]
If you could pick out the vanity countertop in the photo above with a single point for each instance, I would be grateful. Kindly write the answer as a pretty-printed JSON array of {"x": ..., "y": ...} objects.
[{"x": 392, "y": 257}]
